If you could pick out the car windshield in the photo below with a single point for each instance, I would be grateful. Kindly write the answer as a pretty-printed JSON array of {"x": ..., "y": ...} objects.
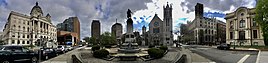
[{"x": 1, "y": 47}]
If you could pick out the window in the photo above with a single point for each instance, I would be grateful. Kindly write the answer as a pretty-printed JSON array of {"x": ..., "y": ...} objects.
[
  {"x": 231, "y": 24},
  {"x": 231, "y": 35},
  {"x": 156, "y": 30},
  {"x": 242, "y": 35},
  {"x": 167, "y": 22},
  {"x": 28, "y": 36},
  {"x": 23, "y": 36},
  {"x": 242, "y": 14},
  {"x": 132, "y": 36},
  {"x": 255, "y": 34},
  {"x": 23, "y": 28},
  {"x": 13, "y": 42},
  {"x": 127, "y": 36},
  {"x": 156, "y": 24},
  {"x": 23, "y": 42},
  {"x": 13, "y": 35},
  {"x": 28, "y": 42},
  {"x": 18, "y": 42},
  {"x": 254, "y": 22},
  {"x": 18, "y": 35},
  {"x": 242, "y": 24}
]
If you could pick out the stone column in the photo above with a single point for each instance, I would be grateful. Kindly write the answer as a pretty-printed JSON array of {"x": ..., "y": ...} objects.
[{"x": 39, "y": 28}]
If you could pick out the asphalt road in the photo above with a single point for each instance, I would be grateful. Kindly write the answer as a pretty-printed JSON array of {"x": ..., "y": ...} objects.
[{"x": 225, "y": 56}]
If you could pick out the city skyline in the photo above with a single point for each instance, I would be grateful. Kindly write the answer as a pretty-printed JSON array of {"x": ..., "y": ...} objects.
[{"x": 108, "y": 11}]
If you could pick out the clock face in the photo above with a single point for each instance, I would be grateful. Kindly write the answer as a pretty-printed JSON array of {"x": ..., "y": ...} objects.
[{"x": 156, "y": 24}]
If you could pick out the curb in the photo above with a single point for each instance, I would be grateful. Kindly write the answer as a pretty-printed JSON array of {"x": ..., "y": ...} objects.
[{"x": 242, "y": 50}]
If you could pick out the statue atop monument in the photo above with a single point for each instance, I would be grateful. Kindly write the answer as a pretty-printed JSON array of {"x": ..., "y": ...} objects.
[{"x": 129, "y": 13}]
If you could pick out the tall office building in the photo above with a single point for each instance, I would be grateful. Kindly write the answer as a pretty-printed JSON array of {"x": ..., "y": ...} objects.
[
  {"x": 117, "y": 31},
  {"x": 95, "y": 29},
  {"x": 71, "y": 27}
]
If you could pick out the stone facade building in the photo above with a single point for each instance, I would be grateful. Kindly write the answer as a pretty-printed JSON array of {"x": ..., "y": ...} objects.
[
  {"x": 117, "y": 31},
  {"x": 21, "y": 29},
  {"x": 204, "y": 29},
  {"x": 221, "y": 32},
  {"x": 160, "y": 32},
  {"x": 242, "y": 29},
  {"x": 156, "y": 31},
  {"x": 167, "y": 25},
  {"x": 95, "y": 29}
]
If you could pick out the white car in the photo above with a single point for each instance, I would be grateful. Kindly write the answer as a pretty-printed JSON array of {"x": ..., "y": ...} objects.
[
  {"x": 61, "y": 49},
  {"x": 69, "y": 48}
]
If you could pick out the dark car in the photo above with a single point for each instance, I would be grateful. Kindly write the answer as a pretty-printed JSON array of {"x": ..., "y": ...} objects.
[
  {"x": 12, "y": 53},
  {"x": 47, "y": 53},
  {"x": 224, "y": 46}
]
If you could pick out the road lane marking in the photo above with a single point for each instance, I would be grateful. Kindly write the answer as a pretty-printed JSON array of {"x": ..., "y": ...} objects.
[
  {"x": 257, "y": 60},
  {"x": 243, "y": 59}
]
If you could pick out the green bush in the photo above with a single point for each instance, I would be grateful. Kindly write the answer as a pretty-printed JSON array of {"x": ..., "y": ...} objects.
[
  {"x": 155, "y": 53},
  {"x": 151, "y": 46},
  {"x": 100, "y": 53},
  {"x": 163, "y": 48},
  {"x": 95, "y": 47}
]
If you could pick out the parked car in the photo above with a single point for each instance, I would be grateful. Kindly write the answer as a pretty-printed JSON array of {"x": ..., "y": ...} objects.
[
  {"x": 61, "y": 49},
  {"x": 224, "y": 46},
  {"x": 15, "y": 53},
  {"x": 80, "y": 45},
  {"x": 47, "y": 53},
  {"x": 69, "y": 48}
]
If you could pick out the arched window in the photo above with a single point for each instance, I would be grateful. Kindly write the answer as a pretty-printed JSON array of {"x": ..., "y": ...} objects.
[{"x": 242, "y": 23}]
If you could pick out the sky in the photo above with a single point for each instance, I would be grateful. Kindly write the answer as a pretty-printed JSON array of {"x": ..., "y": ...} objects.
[{"x": 108, "y": 11}]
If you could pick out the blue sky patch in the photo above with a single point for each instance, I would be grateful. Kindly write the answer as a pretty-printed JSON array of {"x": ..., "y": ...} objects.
[
  {"x": 214, "y": 14},
  {"x": 3, "y": 2}
]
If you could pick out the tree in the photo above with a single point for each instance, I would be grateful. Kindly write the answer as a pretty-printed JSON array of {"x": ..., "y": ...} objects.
[
  {"x": 86, "y": 39},
  {"x": 107, "y": 39},
  {"x": 93, "y": 40},
  {"x": 262, "y": 18}
]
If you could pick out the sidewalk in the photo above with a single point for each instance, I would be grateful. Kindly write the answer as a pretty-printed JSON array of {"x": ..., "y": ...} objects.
[
  {"x": 243, "y": 49},
  {"x": 262, "y": 57},
  {"x": 195, "y": 58}
]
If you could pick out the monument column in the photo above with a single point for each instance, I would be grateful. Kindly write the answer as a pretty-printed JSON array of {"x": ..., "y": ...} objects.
[{"x": 129, "y": 22}]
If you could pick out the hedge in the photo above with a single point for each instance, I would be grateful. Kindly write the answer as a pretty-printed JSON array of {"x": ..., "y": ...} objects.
[
  {"x": 155, "y": 53},
  {"x": 100, "y": 53},
  {"x": 163, "y": 48},
  {"x": 95, "y": 47}
]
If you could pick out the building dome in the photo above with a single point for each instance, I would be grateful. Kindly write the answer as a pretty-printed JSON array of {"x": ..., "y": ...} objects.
[{"x": 36, "y": 11}]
